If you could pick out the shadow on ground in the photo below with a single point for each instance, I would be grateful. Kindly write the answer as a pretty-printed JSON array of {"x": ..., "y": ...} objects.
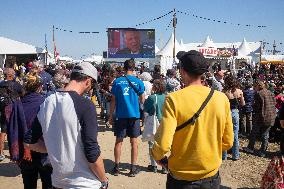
[
  {"x": 224, "y": 187},
  {"x": 9, "y": 170},
  {"x": 268, "y": 155},
  {"x": 123, "y": 167}
]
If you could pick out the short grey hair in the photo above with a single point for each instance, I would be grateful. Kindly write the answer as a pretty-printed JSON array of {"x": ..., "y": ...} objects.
[{"x": 145, "y": 76}]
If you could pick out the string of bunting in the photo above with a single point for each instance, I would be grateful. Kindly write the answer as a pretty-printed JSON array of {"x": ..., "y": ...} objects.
[
  {"x": 169, "y": 25},
  {"x": 271, "y": 51},
  {"x": 70, "y": 31},
  {"x": 154, "y": 19},
  {"x": 219, "y": 21}
]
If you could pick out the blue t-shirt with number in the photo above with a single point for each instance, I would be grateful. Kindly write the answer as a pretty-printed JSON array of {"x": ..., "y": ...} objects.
[{"x": 126, "y": 99}]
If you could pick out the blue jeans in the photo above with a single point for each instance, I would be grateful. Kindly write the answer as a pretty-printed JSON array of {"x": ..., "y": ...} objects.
[
  {"x": 264, "y": 132},
  {"x": 99, "y": 97},
  {"x": 235, "y": 148}
]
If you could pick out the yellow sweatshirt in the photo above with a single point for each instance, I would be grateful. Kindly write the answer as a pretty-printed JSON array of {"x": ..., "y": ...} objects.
[{"x": 196, "y": 150}]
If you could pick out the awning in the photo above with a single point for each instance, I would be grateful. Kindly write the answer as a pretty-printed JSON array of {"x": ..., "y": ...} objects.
[
  {"x": 9, "y": 46},
  {"x": 273, "y": 62}
]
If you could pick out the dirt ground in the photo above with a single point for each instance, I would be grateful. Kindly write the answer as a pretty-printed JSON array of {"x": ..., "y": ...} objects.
[{"x": 245, "y": 173}]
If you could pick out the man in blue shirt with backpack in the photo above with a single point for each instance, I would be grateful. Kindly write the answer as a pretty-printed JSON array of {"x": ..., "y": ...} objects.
[{"x": 127, "y": 92}]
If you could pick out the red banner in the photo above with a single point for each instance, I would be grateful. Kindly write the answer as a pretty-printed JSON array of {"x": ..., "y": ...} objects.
[{"x": 208, "y": 51}]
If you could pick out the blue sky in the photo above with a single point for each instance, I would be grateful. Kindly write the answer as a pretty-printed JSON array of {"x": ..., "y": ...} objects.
[{"x": 29, "y": 20}]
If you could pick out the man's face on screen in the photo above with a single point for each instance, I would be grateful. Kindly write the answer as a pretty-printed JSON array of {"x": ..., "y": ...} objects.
[{"x": 132, "y": 41}]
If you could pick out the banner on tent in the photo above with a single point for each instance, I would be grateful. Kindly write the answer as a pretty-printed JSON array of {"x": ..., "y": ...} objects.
[
  {"x": 222, "y": 52},
  {"x": 208, "y": 51}
]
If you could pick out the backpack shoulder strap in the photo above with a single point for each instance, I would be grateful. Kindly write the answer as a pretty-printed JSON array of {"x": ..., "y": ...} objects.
[{"x": 192, "y": 120}]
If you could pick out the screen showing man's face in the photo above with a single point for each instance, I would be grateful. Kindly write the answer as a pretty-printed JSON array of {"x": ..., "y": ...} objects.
[{"x": 132, "y": 41}]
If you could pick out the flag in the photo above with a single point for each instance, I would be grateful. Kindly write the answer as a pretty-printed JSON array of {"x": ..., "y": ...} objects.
[{"x": 56, "y": 54}]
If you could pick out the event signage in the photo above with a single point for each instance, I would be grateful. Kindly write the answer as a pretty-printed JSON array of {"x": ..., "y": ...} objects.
[
  {"x": 208, "y": 51},
  {"x": 221, "y": 52}
]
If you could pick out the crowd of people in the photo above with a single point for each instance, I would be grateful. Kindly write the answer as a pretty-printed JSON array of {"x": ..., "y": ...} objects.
[{"x": 195, "y": 113}]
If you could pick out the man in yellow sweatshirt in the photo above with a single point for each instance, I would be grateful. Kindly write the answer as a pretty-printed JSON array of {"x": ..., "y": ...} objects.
[{"x": 195, "y": 150}]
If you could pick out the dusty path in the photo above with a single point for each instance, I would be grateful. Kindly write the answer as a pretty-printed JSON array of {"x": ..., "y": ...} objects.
[{"x": 245, "y": 173}]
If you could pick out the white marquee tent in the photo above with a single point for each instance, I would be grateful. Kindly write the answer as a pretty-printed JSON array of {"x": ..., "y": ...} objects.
[
  {"x": 246, "y": 50},
  {"x": 165, "y": 55},
  {"x": 9, "y": 46},
  {"x": 156, "y": 49},
  {"x": 12, "y": 47},
  {"x": 95, "y": 58},
  {"x": 208, "y": 43}
]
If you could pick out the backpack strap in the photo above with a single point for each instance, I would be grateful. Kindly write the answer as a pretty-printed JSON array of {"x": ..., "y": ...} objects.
[{"x": 192, "y": 120}]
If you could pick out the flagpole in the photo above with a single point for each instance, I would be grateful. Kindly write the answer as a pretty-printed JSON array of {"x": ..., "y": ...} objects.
[
  {"x": 53, "y": 38},
  {"x": 45, "y": 49},
  {"x": 260, "y": 52},
  {"x": 174, "y": 27}
]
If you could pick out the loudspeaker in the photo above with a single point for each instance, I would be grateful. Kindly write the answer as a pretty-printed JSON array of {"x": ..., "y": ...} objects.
[{"x": 104, "y": 54}]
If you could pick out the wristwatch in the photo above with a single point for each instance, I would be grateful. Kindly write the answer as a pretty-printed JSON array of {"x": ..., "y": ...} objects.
[{"x": 104, "y": 185}]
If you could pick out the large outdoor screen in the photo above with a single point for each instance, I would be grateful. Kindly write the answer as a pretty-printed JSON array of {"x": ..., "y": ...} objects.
[{"x": 131, "y": 43}]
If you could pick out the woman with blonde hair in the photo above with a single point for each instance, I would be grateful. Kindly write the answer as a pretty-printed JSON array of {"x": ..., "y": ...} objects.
[{"x": 34, "y": 163}]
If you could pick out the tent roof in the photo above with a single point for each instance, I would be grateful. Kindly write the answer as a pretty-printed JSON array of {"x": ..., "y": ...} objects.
[
  {"x": 156, "y": 49},
  {"x": 254, "y": 46},
  {"x": 9, "y": 46},
  {"x": 208, "y": 43},
  {"x": 244, "y": 49},
  {"x": 167, "y": 50},
  {"x": 251, "y": 47},
  {"x": 66, "y": 58},
  {"x": 94, "y": 58}
]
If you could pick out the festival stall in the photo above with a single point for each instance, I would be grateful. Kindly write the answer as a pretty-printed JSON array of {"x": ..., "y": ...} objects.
[
  {"x": 226, "y": 54},
  {"x": 272, "y": 59},
  {"x": 12, "y": 52},
  {"x": 65, "y": 59}
]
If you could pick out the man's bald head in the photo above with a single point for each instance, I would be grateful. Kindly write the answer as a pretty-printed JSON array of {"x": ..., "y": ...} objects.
[{"x": 132, "y": 41}]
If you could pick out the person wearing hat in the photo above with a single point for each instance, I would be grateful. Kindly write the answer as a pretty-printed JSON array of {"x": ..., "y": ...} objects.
[
  {"x": 194, "y": 136},
  {"x": 66, "y": 128}
]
